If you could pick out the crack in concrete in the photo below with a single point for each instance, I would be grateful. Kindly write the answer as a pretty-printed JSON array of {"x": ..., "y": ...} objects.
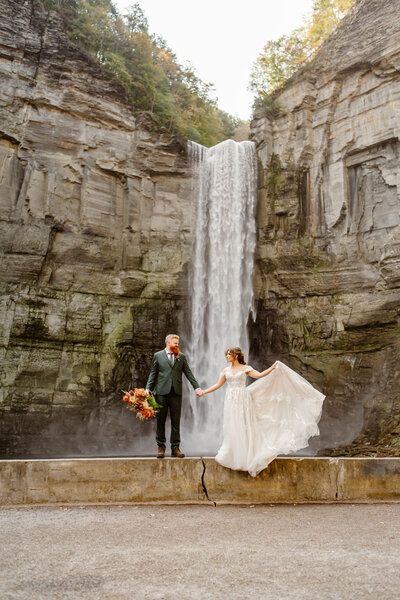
[
  {"x": 337, "y": 478},
  {"x": 203, "y": 483}
]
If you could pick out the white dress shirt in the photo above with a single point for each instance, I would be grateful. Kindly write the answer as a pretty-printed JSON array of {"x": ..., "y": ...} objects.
[{"x": 169, "y": 354}]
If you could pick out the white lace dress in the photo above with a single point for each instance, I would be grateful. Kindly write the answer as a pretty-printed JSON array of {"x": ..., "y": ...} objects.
[{"x": 275, "y": 415}]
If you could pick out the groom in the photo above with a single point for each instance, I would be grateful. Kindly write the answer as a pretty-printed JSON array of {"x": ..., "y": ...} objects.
[{"x": 165, "y": 380}]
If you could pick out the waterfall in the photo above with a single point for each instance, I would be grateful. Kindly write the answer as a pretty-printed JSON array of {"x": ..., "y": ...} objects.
[{"x": 224, "y": 191}]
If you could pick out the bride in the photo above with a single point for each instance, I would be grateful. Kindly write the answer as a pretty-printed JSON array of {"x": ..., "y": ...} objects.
[{"x": 277, "y": 414}]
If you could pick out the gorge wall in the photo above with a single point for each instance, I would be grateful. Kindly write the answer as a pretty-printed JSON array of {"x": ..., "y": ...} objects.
[
  {"x": 95, "y": 221},
  {"x": 328, "y": 261},
  {"x": 96, "y": 225}
]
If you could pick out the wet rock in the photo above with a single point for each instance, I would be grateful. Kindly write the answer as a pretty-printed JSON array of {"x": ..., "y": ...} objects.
[
  {"x": 328, "y": 259},
  {"x": 95, "y": 235}
]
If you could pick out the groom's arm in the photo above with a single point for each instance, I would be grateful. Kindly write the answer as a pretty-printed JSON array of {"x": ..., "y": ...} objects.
[
  {"x": 153, "y": 374},
  {"x": 189, "y": 374}
]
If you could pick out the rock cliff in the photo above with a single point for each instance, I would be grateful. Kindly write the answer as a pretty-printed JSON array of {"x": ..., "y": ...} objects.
[
  {"x": 328, "y": 262},
  {"x": 95, "y": 221},
  {"x": 95, "y": 232}
]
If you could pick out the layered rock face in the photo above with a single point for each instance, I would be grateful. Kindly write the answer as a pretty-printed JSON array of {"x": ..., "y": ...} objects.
[
  {"x": 328, "y": 262},
  {"x": 95, "y": 220},
  {"x": 95, "y": 229}
]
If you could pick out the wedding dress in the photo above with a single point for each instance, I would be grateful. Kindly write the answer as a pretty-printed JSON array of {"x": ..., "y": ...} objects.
[{"x": 277, "y": 414}]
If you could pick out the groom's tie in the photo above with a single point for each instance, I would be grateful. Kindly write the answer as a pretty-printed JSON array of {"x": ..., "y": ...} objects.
[{"x": 171, "y": 358}]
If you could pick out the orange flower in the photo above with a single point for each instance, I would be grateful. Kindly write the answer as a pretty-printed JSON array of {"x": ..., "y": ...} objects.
[{"x": 141, "y": 402}]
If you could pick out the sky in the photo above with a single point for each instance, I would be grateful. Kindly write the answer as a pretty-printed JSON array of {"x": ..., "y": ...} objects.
[{"x": 222, "y": 38}]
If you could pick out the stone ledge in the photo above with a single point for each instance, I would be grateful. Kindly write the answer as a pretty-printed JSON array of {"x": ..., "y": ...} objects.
[{"x": 197, "y": 480}]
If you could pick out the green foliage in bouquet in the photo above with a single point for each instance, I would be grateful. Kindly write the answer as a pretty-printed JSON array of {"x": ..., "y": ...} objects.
[{"x": 152, "y": 401}]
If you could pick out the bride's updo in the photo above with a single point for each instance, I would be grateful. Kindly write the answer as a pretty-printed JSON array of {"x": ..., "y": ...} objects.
[{"x": 237, "y": 352}]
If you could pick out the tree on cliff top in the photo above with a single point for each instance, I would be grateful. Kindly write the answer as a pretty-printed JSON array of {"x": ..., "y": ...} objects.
[
  {"x": 147, "y": 69},
  {"x": 282, "y": 57}
]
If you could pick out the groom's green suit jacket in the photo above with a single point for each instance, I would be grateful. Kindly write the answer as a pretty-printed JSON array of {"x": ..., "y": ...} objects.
[{"x": 163, "y": 375}]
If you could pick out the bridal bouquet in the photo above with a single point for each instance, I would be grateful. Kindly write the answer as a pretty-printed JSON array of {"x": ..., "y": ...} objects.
[{"x": 142, "y": 402}]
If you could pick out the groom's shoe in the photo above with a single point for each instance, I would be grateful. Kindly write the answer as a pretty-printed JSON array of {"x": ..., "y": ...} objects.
[
  {"x": 161, "y": 452},
  {"x": 177, "y": 453}
]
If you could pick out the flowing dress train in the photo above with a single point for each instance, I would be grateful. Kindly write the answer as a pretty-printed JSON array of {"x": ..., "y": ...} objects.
[{"x": 275, "y": 415}]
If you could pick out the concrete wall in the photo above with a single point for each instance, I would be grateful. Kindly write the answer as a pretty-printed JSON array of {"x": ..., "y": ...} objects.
[{"x": 197, "y": 480}]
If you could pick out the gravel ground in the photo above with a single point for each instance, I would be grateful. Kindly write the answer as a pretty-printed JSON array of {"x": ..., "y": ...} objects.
[{"x": 201, "y": 552}]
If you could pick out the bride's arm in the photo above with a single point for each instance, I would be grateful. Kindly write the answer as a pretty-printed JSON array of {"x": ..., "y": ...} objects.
[
  {"x": 257, "y": 375},
  {"x": 214, "y": 387}
]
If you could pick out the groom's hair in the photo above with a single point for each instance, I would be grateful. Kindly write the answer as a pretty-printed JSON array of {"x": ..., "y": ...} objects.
[{"x": 170, "y": 337}]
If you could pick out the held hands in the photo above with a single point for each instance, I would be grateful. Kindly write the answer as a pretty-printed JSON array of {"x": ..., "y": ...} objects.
[{"x": 199, "y": 392}]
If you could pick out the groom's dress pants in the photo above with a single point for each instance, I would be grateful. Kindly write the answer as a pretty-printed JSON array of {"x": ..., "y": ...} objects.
[{"x": 173, "y": 403}]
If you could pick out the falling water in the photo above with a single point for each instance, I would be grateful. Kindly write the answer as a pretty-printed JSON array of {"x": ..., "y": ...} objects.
[{"x": 221, "y": 278}]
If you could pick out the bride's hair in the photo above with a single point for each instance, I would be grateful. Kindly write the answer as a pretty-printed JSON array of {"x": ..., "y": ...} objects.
[{"x": 238, "y": 353}]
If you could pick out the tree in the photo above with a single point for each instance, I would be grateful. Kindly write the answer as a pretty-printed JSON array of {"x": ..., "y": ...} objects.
[
  {"x": 146, "y": 68},
  {"x": 326, "y": 16},
  {"x": 136, "y": 19},
  {"x": 278, "y": 61},
  {"x": 282, "y": 57}
]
